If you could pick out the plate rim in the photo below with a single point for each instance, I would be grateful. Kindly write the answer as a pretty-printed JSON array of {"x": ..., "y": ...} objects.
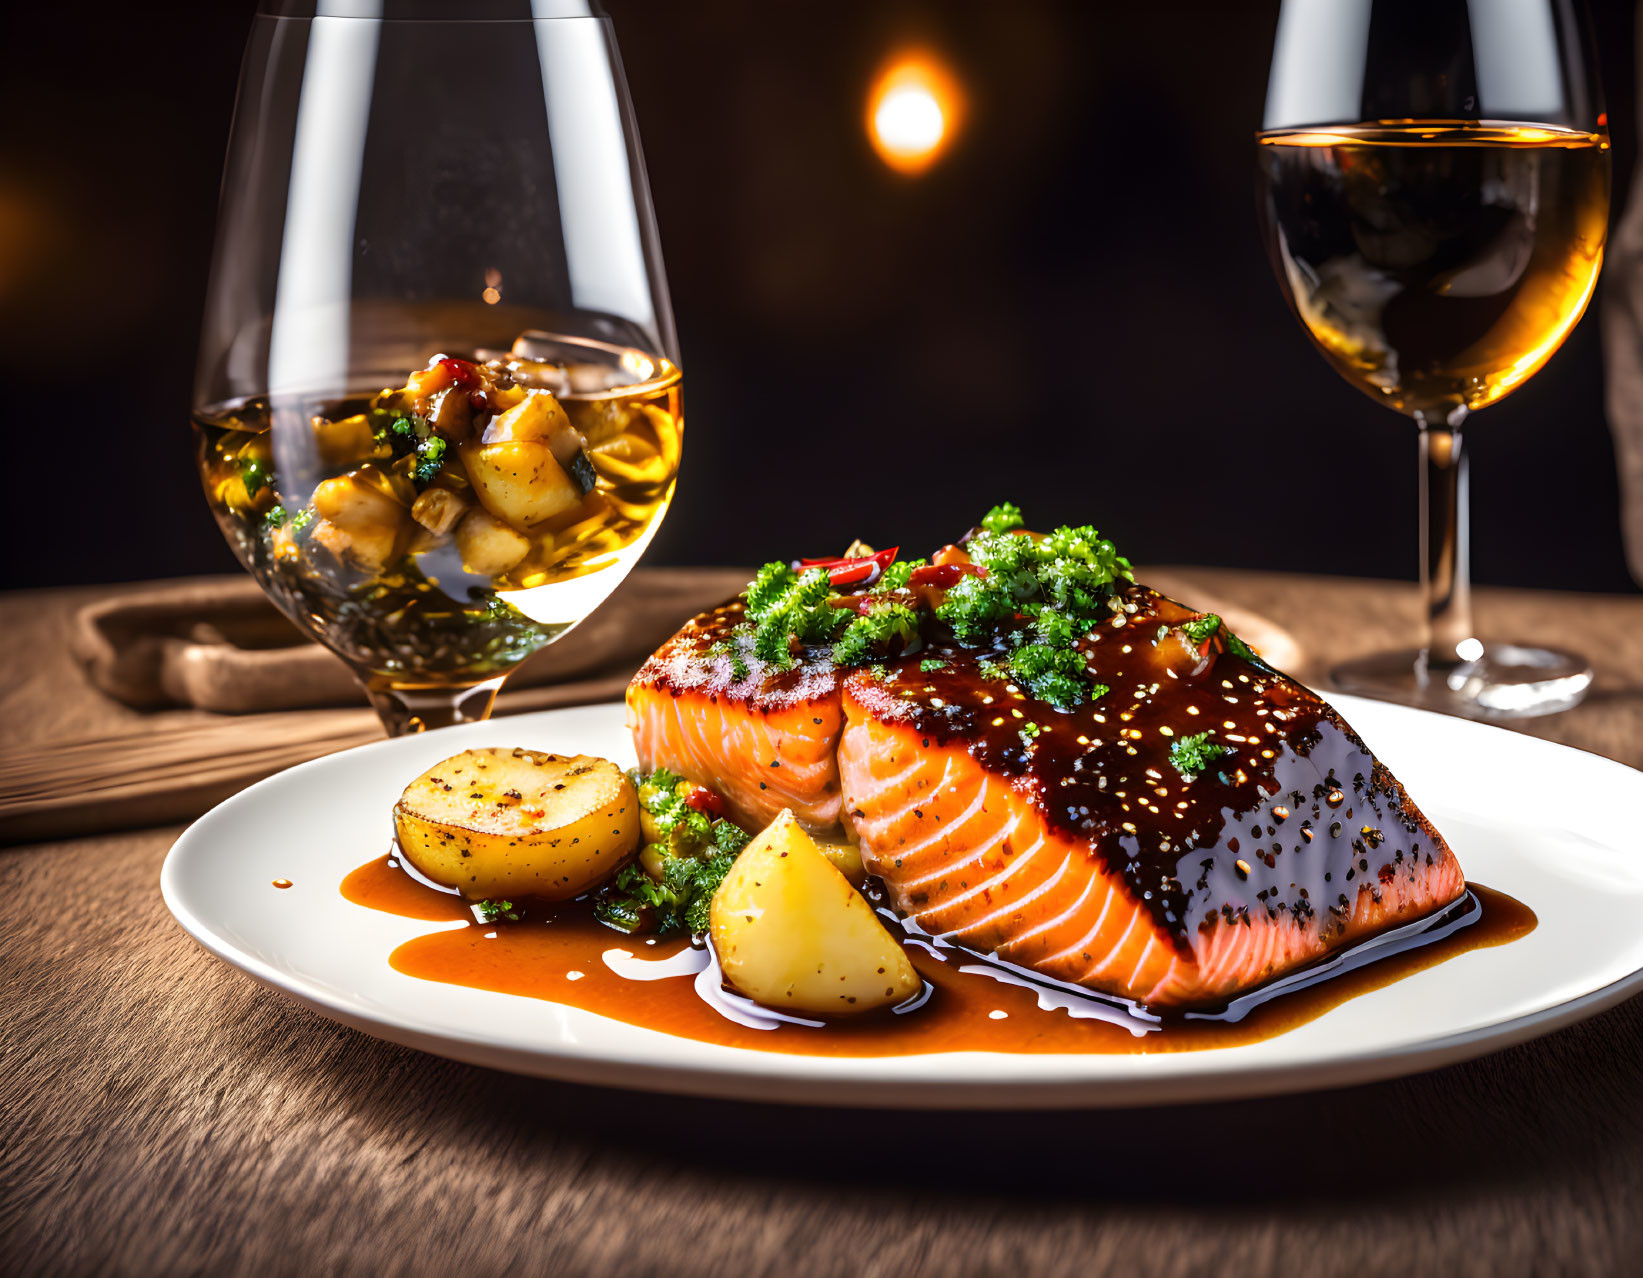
[{"x": 852, "y": 1082}]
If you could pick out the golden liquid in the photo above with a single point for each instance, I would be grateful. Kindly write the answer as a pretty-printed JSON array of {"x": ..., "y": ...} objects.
[
  {"x": 1437, "y": 264},
  {"x": 423, "y": 618}
]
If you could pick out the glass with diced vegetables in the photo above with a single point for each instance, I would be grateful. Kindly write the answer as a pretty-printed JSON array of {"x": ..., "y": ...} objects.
[{"x": 437, "y": 411}]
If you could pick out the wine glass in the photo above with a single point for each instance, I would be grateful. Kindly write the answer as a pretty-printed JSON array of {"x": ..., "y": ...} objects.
[
  {"x": 437, "y": 407},
  {"x": 1434, "y": 190}
]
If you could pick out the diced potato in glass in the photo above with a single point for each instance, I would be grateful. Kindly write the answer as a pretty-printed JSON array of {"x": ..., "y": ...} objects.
[
  {"x": 519, "y": 481},
  {"x": 368, "y": 547},
  {"x": 345, "y": 442},
  {"x": 450, "y": 413},
  {"x": 601, "y": 420},
  {"x": 428, "y": 381},
  {"x": 359, "y": 521},
  {"x": 539, "y": 416},
  {"x": 488, "y": 546},
  {"x": 791, "y": 932},
  {"x": 438, "y": 509}
]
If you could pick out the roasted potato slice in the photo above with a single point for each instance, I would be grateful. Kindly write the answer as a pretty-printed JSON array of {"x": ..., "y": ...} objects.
[
  {"x": 792, "y": 934},
  {"x": 519, "y": 823}
]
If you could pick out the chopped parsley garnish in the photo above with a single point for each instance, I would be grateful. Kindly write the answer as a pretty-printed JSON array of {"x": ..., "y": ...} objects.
[
  {"x": 279, "y": 517},
  {"x": 1029, "y": 733},
  {"x": 784, "y": 606},
  {"x": 931, "y": 664},
  {"x": 1209, "y": 625},
  {"x": 1031, "y": 603},
  {"x": 691, "y": 859},
  {"x": 1191, "y": 755},
  {"x": 680, "y": 901},
  {"x": 255, "y": 474},
  {"x": 738, "y": 663},
  {"x": 670, "y": 813},
  {"x": 872, "y": 633},
  {"x": 896, "y": 575},
  {"x": 1201, "y": 628},
  {"x": 430, "y": 453},
  {"x": 1002, "y": 518},
  {"x": 1238, "y": 648},
  {"x": 496, "y": 911},
  {"x": 1039, "y": 596},
  {"x": 400, "y": 433}
]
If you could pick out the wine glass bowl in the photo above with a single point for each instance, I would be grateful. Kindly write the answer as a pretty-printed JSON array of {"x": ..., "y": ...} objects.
[
  {"x": 1434, "y": 192},
  {"x": 438, "y": 411}
]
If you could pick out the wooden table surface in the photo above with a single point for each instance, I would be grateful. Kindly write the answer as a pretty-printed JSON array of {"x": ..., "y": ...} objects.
[{"x": 159, "y": 1113}]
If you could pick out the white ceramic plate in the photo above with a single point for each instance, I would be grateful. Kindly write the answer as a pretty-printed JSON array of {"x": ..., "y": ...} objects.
[{"x": 1552, "y": 826}]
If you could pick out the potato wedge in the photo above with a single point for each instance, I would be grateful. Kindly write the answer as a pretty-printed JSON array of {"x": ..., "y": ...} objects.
[
  {"x": 792, "y": 934},
  {"x": 501, "y": 823}
]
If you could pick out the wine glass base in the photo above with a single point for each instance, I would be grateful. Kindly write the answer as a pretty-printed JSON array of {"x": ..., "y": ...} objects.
[
  {"x": 1506, "y": 681},
  {"x": 405, "y": 711}
]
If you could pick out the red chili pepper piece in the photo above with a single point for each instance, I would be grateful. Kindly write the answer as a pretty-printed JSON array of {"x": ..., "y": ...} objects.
[
  {"x": 943, "y": 576},
  {"x": 852, "y": 572},
  {"x": 855, "y": 574},
  {"x": 884, "y": 557},
  {"x": 464, "y": 372},
  {"x": 705, "y": 800}
]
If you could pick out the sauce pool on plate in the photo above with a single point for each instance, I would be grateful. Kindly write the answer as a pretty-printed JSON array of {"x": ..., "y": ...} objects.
[{"x": 564, "y": 955}]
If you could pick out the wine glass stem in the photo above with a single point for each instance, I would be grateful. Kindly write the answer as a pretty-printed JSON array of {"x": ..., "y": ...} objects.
[
  {"x": 1446, "y": 577},
  {"x": 405, "y": 711}
]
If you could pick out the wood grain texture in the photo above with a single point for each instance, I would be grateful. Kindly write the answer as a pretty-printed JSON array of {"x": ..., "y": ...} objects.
[
  {"x": 157, "y": 763},
  {"x": 160, "y": 1113}
]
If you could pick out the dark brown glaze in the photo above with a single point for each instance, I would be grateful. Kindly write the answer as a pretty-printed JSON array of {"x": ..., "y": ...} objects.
[
  {"x": 556, "y": 955},
  {"x": 700, "y": 660},
  {"x": 1298, "y": 818}
]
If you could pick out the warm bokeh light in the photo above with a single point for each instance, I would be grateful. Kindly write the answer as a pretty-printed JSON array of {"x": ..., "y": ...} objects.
[{"x": 913, "y": 111}]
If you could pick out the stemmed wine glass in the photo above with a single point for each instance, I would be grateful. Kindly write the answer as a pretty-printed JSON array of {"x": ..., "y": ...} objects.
[
  {"x": 1434, "y": 188},
  {"x": 437, "y": 408}
]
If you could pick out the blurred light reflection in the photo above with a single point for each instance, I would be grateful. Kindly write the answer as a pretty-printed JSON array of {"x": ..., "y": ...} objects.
[{"x": 913, "y": 111}]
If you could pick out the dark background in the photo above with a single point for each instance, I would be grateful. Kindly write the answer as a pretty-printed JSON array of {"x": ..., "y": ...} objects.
[{"x": 1073, "y": 310}]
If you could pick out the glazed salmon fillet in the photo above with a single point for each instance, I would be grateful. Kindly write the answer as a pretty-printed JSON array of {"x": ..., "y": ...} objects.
[
  {"x": 1083, "y": 846},
  {"x": 765, "y": 740},
  {"x": 968, "y": 856}
]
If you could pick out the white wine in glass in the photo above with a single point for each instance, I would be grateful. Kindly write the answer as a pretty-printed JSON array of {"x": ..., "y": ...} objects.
[{"x": 1434, "y": 187}]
